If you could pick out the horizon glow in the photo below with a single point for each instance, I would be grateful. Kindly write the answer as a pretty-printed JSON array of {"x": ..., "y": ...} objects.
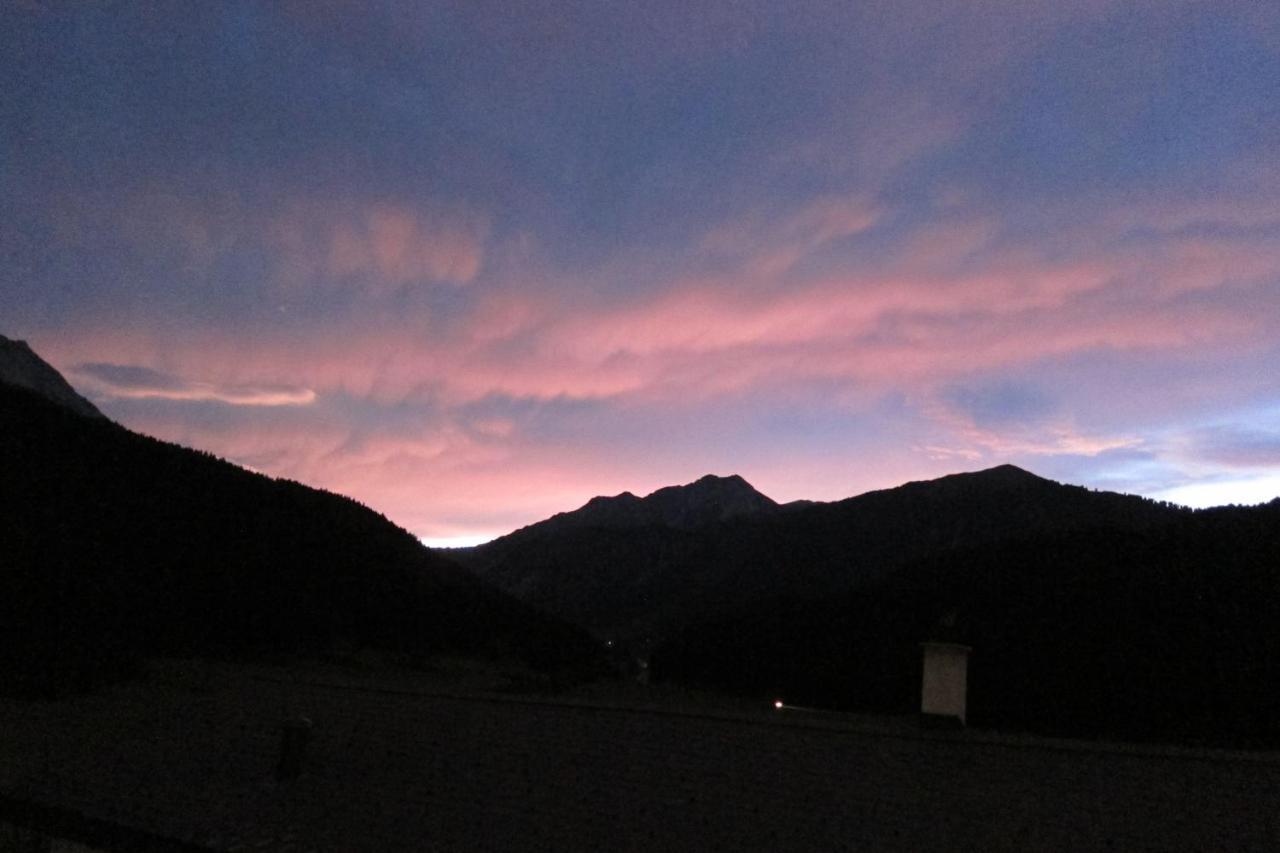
[
  {"x": 475, "y": 263},
  {"x": 447, "y": 542}
]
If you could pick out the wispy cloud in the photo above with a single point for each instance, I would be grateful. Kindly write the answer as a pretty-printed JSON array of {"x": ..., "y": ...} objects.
[
  {"x": 1007, "y": 421},
  {"x": 116, "y": 381},
  {"x": 767, "y": 244}
]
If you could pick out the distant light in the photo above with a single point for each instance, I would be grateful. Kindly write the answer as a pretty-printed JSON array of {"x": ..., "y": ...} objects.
[{"x": 777, "y": 703}]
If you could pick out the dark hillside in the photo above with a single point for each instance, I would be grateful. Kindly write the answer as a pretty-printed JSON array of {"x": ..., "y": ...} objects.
[
  {"x": 643, "y": 583},
  {"x": 1166, "y": 634},
  {"x": 113, "y": 544},
  {"x": 20, "y": 366}
]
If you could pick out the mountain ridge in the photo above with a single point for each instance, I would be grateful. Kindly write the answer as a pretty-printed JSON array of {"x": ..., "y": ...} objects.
[
  {"x": 20, "y": 366},
  {"x": 638, "y": 583},
  {"x": 706, "y": 500},
  {"x": 115, "y": 546}
]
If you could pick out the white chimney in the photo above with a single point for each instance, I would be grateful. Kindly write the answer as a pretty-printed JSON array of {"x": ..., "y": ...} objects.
[{"x": 945, "y": 684}]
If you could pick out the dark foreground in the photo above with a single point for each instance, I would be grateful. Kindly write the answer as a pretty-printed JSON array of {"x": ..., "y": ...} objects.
[{"x": 189, "y": 759}]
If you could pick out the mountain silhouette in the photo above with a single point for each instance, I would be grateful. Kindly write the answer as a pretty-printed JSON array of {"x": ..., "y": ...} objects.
[
  {"x": 707, "y": 500},
  {"x": 115, "y": 546},
  {"x": 20, "y": 366},
  {"x": 628, "y": 573}
]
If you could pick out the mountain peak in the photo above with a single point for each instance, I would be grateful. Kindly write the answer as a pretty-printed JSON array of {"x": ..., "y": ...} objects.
[
  {"x": 708, "y": 499},
  {"x": 734, "y": 481},
  {"x": 1008, "y": 473},
  {"x": 19, "y": 365},
  {"x": 1000, "y": 479},
  {"x": 708, "y": 483}
]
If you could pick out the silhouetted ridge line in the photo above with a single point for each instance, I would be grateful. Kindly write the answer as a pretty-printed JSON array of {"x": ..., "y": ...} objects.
[
  {"x": 707, "y": 500},
  {"x": 116, "y": 546},
  {"x": 631, "y": 572},
  {"x": 20, "y": 366}
]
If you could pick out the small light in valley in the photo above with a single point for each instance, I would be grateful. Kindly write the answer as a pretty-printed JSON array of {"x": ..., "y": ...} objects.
[{"x": 777, "y": 703}]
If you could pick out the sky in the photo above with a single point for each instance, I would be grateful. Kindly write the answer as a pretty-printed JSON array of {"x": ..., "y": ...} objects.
[{"x": 473, "y": 263}]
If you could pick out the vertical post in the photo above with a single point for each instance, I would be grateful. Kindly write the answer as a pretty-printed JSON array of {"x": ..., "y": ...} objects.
[{"x": 945, "y": 681}]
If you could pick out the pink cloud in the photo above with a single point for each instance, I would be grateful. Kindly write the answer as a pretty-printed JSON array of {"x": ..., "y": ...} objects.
[
  {"x": 911, "y": 322},
  {"x": 911, "y": 318},
  {"x": 851, "y": 324}
]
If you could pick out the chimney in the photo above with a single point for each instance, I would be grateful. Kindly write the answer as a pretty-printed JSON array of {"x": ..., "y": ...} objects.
[{"x": 945, "y": 684}]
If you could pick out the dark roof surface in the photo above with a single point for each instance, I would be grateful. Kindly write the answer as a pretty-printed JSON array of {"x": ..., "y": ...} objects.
[{"x": 407, "y": 769}]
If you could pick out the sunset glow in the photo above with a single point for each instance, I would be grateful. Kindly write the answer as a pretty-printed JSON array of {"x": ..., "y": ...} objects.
[{"x": 473, "y": 263}]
